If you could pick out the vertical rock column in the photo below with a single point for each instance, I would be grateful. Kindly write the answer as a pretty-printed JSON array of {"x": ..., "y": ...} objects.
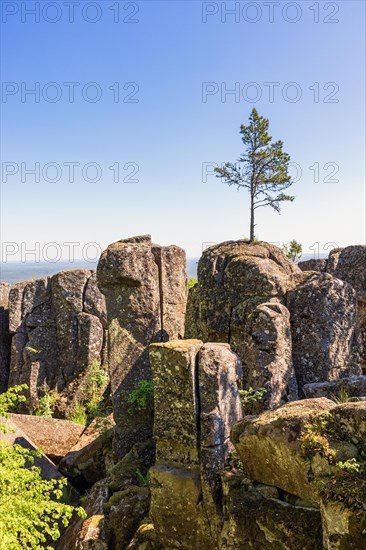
[
  {"x": 323, "y": 313},
  {"x": 196, "y": 401},
  {"x": 5, "y": 338},
  {"x": 145, "y": 288},
  {"x": 349, "y": 264}
]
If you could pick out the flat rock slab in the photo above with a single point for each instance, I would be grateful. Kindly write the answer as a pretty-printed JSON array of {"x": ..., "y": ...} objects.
[
  {"x": 53, "y": 436},
  {"x": 17, "y": 436},
  {"x": 352, "y": 386}
]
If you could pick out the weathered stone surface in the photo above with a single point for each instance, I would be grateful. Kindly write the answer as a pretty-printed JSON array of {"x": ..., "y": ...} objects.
[
  {"x": 231, "y": 272},
  {"x": 171, "y": 261},
  {"x": 196, "y": 401},
  {"x": 174, "y": 368},
  {"x": 16, "y": 435},
  {"x": 86, "y": 459},
  {"x": 313, "y": 449},
  {"x": 324, "y": 341},
  {"x": 53, "y": 436},
  {"x": 136, "y": 277},
  {"x": 145, "y": 538},
  {"x": 218, "y": 376},
  {"x": 353, "y": 386},
  {"x": 57, "y": 327},
  {"x": 269, "y": 446},
  {"x": 176, "y": 508},
  {"x": 261, "y": 335},
  {"x": 349, "y": 264},
  {"x": 125, "y": 509},
  {"x": 239, "y": 299},
  {"x": 88, "y": 534},
  {"x": 138, "y": 460},
  {"x": 5, "y": 338},
  {"x": 319, "y": 265},
  {"x": 252, "y": 521}
]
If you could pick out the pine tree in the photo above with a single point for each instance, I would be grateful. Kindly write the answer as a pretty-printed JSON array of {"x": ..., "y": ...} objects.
[{"x": 262, "y": 168}]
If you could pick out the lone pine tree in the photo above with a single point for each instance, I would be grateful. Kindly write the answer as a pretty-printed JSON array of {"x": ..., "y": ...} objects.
[{"x": 262, "y": 168}]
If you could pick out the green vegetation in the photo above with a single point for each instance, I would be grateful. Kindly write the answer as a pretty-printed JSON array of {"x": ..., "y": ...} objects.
[
  {"x": 192, "y": 282},
  {"x": 78, "y": 414},
  {"x": 233, "y": 462},
  {"x": 262, "y": 168},
  {"x": 31, "y": 508},
  {"x": 143, "y": 481},
  {"x": 33, "y": 350},
  {"x": 345, "y": 482},
  {"x": 141, "y": 397},
  {"x": 250, "y": 396},
  {"x": 293, "y": 251},
  {"x": 47, "y": 402},
  {"x": 91, "y": 405}
]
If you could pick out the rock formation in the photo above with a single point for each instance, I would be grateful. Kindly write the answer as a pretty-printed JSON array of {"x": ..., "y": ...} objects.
[
  {"x": 145, "y": 287},
  {"x": 239, "y": 299},
  {"x": 323, "y": 321},
  {"x": 313, "y": 450},
  {"x": 196, "y": 402},
  {"x": 58, "y": 330},
  {"x": 279, "y": 319},
  {"x": 349, "y": 264},
  {"x": 5, "y": 339}
]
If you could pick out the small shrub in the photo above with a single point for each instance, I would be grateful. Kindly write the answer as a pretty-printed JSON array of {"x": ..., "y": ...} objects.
[
  {"x": 293, "y": 251},
  {"x": 31, "y": 508},
  {"x": 192, "y": 281},
  {"x": 47, "y": 402},
  {"x": 141, "y": 397},
  {"x": 143, "y": 481},
  {"x": 78, "y": 414},
  {"x": 250, "y": 396}
]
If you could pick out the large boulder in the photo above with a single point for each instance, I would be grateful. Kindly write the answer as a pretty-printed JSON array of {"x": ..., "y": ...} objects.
[
  {"x": 323, "y": 313},
  {"x": 260, "y": 523},
  {"x": 269, "y": 445},
  {"x": 5, "y": 338},
  {"x": 240, "y": 300},
  {"x": 261, "y": 335},
  {"x": 196, "y": 402},
  {"x": 315, "y": 450},
  {"x": 58, "y": 330},
  {"x": 145, "y": 290},
  {"x": 53, "y": 436},
  {"x": 349, "y": 264}
]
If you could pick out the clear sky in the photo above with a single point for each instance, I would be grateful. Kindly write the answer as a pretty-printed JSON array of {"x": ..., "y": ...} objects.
[{"x": 137, "y": 98}]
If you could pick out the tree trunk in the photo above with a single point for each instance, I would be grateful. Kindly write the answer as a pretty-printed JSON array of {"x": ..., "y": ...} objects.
[{"x": 251, "y": 219}]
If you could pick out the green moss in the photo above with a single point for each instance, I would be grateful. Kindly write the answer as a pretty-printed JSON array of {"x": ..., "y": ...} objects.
[{"x": 345, "y": 482}]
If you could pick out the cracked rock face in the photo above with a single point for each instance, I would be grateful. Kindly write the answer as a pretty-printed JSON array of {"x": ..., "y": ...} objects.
[
  {"x": 239, "y": 300},
  {"x": 5, "y": 339},
  {"x": 57, "y": 330},
  {"x": 196, "y": 402},
  {"x": 349, "y": 264},
  {"x": 323, "y": 313},
  {"x": 145, "y": 287}
]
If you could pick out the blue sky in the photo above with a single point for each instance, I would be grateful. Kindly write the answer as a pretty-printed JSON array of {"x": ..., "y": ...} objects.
[{"x": 165, "y": 124}]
